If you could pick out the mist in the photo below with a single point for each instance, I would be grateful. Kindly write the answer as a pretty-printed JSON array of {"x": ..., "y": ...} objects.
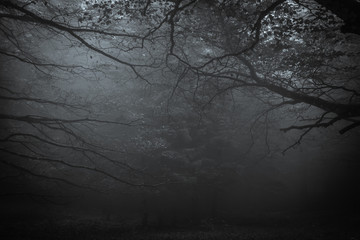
[{"x": 179, "y": 120}]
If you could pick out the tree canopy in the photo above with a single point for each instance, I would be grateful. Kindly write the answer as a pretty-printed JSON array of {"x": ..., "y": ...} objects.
[{"x": 98, "y": 86}]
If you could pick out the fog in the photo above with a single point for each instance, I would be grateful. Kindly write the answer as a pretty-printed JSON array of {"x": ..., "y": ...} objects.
[{"x": 178, "y": 120}]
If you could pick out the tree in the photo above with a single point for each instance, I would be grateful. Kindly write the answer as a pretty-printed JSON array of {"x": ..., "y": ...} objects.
[
  {"x": 294, "y": 56},
  {"x": 290, "y": 31},
  {"x": 51, "y": 118},
  {"x": 347, "y": 11}
]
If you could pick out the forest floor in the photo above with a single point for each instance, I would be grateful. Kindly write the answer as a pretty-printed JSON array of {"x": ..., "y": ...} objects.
[{"x": 106, "y": 230}]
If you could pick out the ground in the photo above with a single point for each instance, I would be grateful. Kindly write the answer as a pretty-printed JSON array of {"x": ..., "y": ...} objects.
[{"x": 104, "y": 230}]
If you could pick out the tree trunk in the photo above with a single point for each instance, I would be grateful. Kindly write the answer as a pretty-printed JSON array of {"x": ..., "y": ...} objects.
[
  {"x": 214, "y": 204},
  {"x": 145, "y": 217}
]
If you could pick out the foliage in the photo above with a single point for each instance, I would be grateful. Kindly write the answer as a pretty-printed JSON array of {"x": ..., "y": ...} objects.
[{"x": 149, "y": 92}]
